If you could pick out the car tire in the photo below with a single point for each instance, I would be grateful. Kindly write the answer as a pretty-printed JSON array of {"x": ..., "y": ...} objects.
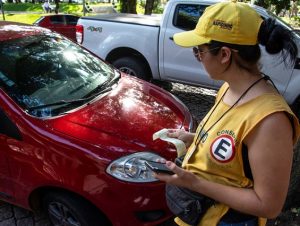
[
  {"x": 133, "y": 66},
  {"x": 68, "y": 209}
]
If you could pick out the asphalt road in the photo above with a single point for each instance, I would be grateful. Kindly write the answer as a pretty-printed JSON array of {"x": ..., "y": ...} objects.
[{"x": 198, "y": 100}]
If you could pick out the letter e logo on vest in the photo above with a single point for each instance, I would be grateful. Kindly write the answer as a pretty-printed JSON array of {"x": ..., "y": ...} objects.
[{"x": 222, "y": 149}]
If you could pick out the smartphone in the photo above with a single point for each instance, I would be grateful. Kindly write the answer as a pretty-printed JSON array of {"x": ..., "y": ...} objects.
[{"x": 158, "y": 167}]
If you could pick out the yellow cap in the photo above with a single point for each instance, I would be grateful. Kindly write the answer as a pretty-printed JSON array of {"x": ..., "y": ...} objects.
[{"x": 230, "y": 22}]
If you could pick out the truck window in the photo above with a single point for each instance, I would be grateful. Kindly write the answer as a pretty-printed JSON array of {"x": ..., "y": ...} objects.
[{"x": 186, "y": 15}]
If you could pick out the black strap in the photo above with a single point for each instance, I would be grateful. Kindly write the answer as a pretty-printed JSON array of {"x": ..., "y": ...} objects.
[{"x": 200, "y": 135}]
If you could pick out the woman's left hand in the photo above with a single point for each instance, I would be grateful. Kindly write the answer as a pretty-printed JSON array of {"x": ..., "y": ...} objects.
[{"x": 180, "y": 177}]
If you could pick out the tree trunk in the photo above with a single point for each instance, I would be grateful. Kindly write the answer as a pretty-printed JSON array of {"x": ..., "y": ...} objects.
[
  {"x": 132, "y": 6},
  {"x": 128, "y": 6},
  {"x": 149, "y": 7},
  {"x": 56, "y": 6}
]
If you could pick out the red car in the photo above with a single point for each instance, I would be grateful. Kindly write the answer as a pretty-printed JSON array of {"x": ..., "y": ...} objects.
[
  {"x": 64, "y": 24},
  {"x": 75, "y": 133}
]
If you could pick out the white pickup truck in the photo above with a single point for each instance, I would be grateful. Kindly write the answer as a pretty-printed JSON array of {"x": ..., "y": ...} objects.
[{"x": 143, "y": 46}]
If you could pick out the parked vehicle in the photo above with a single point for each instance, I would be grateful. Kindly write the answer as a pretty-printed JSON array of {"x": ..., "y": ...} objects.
[
  {"x": 143, "y": 46},
  {"x": 64, "y": 24},
  {"x": 75, "y": 133}
]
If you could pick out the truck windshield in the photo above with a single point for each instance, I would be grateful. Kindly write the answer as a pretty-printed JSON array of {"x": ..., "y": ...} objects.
[{"x": 43, "y": 69}]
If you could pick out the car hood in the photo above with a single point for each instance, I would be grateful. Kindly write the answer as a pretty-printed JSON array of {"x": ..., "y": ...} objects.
[{"x": 130, "y": 113}]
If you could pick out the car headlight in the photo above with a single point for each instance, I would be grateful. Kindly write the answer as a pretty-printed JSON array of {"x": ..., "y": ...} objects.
[{"x": 132, "y": 167}]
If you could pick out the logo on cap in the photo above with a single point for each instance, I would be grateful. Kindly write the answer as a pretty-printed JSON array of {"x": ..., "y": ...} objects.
[{"x": 222, "y": 24}]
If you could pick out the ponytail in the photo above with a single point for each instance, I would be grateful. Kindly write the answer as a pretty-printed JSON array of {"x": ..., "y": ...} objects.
[{"x": 277, "y": 39}]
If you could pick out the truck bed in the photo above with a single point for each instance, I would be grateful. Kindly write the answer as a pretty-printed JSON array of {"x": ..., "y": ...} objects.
[{"x": 144, "y": 20}]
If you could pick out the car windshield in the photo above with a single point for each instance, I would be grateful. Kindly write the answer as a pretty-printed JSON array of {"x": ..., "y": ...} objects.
[{"x": 47, "y": 74}]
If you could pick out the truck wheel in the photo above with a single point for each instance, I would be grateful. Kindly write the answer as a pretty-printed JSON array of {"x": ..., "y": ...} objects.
[
  {"x": 294, "y": 187},
  {"x": 67, "y": 209},
  {"x": 133, "y": 66}
]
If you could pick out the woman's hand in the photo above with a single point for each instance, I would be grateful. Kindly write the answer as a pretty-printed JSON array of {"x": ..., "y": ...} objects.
[
  {"x": 182, "y": 135},
  {"x": 181, "y": 177}
]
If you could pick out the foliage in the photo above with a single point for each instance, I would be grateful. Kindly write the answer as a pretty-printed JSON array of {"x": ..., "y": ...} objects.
[
  {"x": 35, "y": 11},
  {"x": 263, "y": 3},
  {"x": 134, "y": 6},
  {"x": 29, "y": 7},
  {"x": 279, "y": 5},
  {"x": 294, "y": 22},
  {"x": 157, "y": 6}
]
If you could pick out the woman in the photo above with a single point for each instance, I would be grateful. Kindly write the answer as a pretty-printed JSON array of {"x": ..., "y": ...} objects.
[{"x": 241, "y": 154}]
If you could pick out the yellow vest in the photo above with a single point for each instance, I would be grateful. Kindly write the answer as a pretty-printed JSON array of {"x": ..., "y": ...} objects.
[{"x": 218, "y": 157}]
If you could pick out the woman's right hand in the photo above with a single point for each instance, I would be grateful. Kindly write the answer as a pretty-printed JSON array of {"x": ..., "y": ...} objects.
[{"x": 182, "y": 135}]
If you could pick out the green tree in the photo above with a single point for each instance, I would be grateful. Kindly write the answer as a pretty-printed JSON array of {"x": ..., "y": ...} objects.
[
  {"x": 263, "y": 3},
  {"x": 280, "y": 5},
  {"x": 150, "y": 6}
]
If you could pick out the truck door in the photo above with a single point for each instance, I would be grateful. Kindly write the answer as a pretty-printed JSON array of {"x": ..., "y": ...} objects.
[{"x": 179, "y": 64}]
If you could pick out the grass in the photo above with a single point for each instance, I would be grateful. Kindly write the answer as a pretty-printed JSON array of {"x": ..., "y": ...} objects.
[
  {"x": 22, "y": 7},
  {"x": 31, "y": 12},
  {"x": 22, "y": 18},
  {"x": 29, "y": 7}
]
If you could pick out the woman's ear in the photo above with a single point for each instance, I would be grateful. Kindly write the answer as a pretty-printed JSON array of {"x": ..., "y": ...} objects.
[{"x": 225, "y": 55}]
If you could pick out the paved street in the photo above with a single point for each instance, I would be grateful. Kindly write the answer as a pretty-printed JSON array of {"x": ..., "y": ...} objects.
[{"x": 198, "y": 100}]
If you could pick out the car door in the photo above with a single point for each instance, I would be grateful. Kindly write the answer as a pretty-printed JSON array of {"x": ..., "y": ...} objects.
[
  {"x": 9, "y": 136},
  {"x": 179, "y": 64}
]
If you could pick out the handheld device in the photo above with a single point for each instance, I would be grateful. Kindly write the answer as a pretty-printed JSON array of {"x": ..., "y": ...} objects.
[{"x": 158, "y": 167}]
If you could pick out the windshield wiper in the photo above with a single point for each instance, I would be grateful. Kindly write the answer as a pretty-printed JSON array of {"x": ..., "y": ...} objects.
[
  {"x": 77, "y": 101},
  {"x": 104, "y": 85}
]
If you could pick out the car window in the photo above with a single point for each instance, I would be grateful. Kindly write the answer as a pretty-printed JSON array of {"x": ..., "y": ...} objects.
[
  {"x": 71, "y": 20},
  {"x": 187, "y": 15},
  {"x": 44, "y": 69},
  {"x": 59, "y": 19}
]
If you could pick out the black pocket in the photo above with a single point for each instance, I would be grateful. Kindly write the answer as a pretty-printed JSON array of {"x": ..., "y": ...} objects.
[{"x": 189, "y": 206}]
